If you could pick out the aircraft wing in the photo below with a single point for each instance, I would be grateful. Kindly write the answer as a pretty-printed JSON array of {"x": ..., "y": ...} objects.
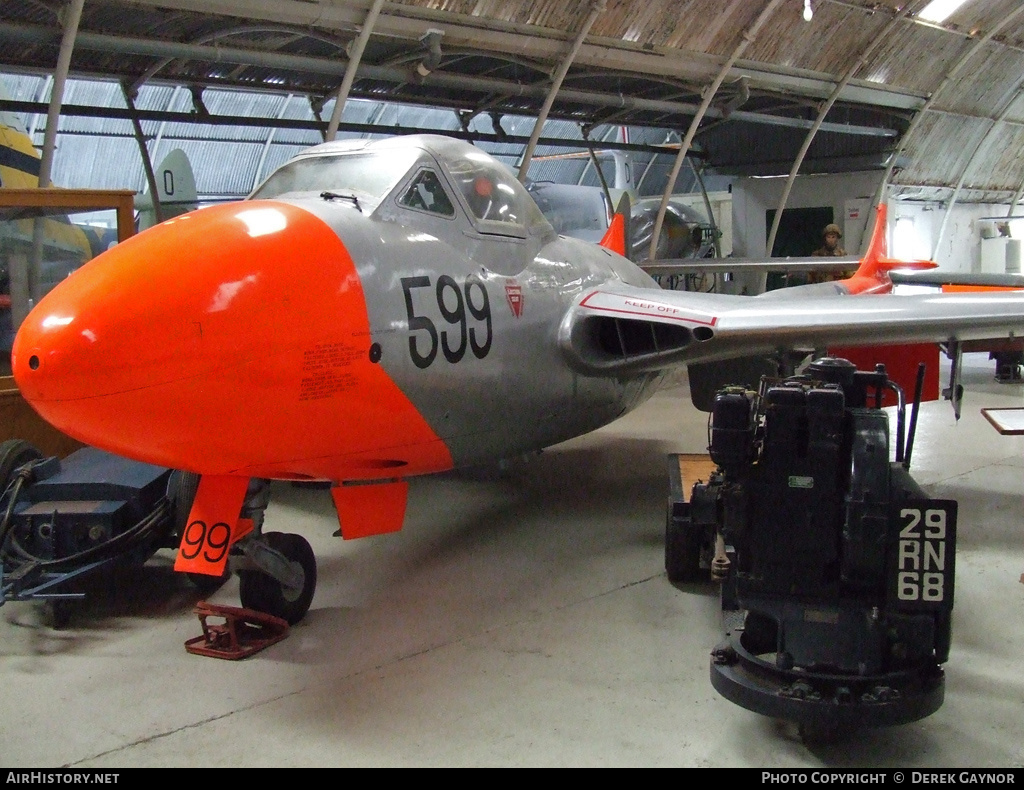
[
  {"x": 620, "y": 329},
  {"x": 937, "y": 278},
  {"x": 670, "y": 266}
]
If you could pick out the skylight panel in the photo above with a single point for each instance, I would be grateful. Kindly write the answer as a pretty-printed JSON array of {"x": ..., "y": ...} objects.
[{"x": 938, "y": 11}]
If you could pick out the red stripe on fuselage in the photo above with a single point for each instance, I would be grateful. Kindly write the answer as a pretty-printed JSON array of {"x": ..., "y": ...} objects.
[{"x": 666, "y": 314}]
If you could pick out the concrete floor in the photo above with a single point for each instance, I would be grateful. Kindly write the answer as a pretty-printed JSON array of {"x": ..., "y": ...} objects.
[{"x": 517, "y": 620}]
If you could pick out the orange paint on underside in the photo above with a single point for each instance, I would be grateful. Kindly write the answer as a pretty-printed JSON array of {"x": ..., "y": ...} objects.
[
  {"x": 951, "y": 288},
  {"x": 232, "y": 340},
  {"x": 365, "y": 510},
  {"x": 213, "y": 525}
]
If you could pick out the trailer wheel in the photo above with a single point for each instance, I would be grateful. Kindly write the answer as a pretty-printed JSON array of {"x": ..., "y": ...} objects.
[
  {"x": 264, "y": 593},
  {"x": 58, "y": 613},
  {"x": 206, "y": 584},
  {"x": 682, "y": 550},
  {"x": 15, "y": 453},
  {"x": 181, "y": 491}
]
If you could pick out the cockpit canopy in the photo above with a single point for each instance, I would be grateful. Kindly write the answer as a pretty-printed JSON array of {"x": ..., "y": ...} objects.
[
  {"x": 342, "y": 171},
  {"x": 492, "y": 197}
]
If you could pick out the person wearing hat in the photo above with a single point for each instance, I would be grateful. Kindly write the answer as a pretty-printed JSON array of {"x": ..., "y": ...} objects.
[{"x": 831, "y": 235}]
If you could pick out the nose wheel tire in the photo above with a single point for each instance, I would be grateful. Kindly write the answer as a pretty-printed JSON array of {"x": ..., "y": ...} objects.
[{"x": 264, "y": 593}]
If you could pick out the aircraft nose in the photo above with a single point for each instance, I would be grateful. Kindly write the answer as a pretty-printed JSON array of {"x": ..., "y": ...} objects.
[{"x": 174, "y": 331}]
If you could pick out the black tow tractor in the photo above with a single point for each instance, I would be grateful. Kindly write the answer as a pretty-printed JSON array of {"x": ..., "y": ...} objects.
[{"x": 836, "y": 568}]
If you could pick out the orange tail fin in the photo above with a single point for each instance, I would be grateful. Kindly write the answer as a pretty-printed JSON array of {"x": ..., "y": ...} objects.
[
  {"x": 876, "y": 263},
  {"x": 616, "y": 238}
]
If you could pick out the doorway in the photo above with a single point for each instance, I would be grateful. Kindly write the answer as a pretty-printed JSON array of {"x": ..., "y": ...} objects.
[{"x": 799, "y": 235}]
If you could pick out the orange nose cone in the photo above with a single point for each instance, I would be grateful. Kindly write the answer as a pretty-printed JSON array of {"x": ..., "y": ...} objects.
[
  {"x": 192, "y": 346},
  {"x": 136, "y": 316}
]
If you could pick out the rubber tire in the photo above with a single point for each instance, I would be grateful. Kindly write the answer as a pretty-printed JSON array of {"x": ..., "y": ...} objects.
[
  {"x": 682, "y": 552},
  {"x": 264, "y": 593},
  {"x": 207, "y": 584},
  {"x": 15, "y": 453},
  {"x": 760, "y": 634},
  {"x": 59, "y": 613},
  {"x": 181, "y": 491}
]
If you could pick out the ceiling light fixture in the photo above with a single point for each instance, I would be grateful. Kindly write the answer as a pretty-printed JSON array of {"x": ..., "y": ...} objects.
[{"x": 938, "y": 11}]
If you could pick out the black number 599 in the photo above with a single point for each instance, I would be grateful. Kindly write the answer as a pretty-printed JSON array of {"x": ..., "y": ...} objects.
[{"x": 453, "y": 303}]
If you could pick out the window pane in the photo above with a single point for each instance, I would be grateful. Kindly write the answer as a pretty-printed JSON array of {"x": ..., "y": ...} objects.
[
  {"x": 369, "y": 174},
  {"x": 427, "y": 194}
]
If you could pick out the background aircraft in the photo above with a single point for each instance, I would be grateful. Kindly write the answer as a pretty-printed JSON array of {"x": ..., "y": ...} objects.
[
  {"x": 176, "y": 191},
  {"x": 44, "y": 248},
  {"x": 19, "y": 169},
  {"x": 378, "y": 310},
  {"x": 585, "y": 212},
  {"x": 52, "y": 245}
]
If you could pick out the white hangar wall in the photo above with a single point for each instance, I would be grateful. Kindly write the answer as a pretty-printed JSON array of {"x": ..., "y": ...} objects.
[
  {"x": 977, "y": 238},
  {"x": 753, "y": 198}
]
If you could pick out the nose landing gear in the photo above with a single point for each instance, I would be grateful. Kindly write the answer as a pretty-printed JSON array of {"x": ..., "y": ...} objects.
[{"x": 276, "y": 570}]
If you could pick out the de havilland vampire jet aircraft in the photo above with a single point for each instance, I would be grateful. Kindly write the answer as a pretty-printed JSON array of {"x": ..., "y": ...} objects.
[{"x": 378, "y": 310}]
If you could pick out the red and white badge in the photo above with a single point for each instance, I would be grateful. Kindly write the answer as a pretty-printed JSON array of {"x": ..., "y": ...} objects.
[{"x": 514, "y": 294}]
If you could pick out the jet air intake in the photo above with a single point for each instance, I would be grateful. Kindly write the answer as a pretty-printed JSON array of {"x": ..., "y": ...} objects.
[{"x": 605, "y": 345}]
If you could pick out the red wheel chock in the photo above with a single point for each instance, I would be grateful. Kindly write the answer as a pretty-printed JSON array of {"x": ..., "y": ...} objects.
[{"x": 243, "y": 632}]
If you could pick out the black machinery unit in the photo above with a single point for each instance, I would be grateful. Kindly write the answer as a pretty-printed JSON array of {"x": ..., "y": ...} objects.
[
  {"x": 62, "y": 519},
  {"x": 839, "y": 568}
]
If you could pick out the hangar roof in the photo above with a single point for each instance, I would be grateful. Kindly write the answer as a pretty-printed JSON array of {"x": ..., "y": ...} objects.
[{"x": 939, "y": 103}]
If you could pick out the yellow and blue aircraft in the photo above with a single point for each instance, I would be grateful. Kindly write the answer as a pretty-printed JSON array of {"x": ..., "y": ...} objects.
[{"x": 45, "y": 245}]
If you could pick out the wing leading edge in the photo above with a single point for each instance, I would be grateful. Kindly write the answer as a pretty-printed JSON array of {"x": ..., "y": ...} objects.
[{"x": 623, "y": 330}]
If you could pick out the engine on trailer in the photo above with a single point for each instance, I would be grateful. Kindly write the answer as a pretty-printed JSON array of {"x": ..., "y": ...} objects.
[
  {"x": 79, "y": 507},
  {"x": 840, "y": 566},
  {"x": 61, "y": 520}
]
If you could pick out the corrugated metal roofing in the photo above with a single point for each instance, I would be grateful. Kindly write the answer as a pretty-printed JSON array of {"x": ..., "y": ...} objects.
[{"x": 644, "y": 64}]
